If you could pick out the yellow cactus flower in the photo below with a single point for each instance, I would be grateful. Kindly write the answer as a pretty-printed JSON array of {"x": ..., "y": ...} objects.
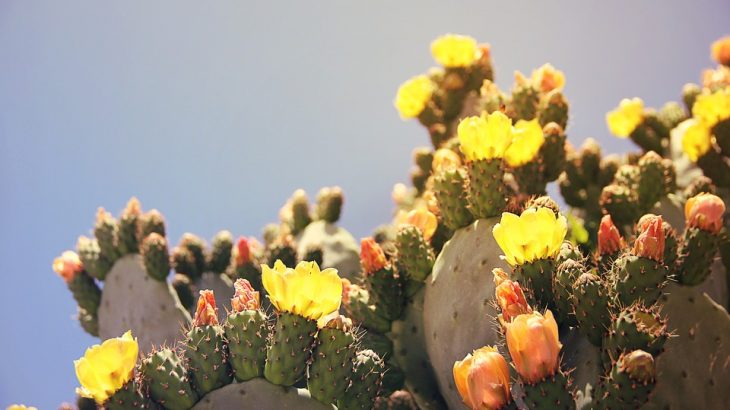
[
  {"x": 527, "y": 138},
  {"x": 482, "y": 379},
  {"x": 413, "y": 95},
  {"x": 536, "y": 234},
  {"x": 623, "y": 120},
  {"x": 696, "y": 140},
  {"x": 424, "y": 220},
  {"x": 485, "y": 137},
  {"x": 20, "y": 407},
  {"x": 548, "y": 78},
  {"x": 533, "y": 344},
  {"x": 445, "y": 158},
  {"x": 105, "y": 368},
  {"x": 721, "y": 50},
  {"x": 453, "y": 50},
  {"x": 709, "y": 109},
  {"x": 304, "y": 290}
]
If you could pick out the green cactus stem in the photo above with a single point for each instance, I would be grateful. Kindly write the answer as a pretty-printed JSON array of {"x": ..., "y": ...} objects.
[
  {"x": 486, "y": 189},
  {"x": 156, "y": 256},
  {"x": 167, "y": 378},
  {"x": 290, "y": 349},
  {"x": 365, "y": 382},
  {"x": 329, "y": 372}
]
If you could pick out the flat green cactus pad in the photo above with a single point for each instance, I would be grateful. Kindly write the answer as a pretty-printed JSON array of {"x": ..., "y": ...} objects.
[
  {"x": 694, "y": 370},
  {"x": 459, "y": 301},
  {"x": 339, "y": 248},
  {"x": 132, "y": 300},
  {"x": 260, "y": 395}
]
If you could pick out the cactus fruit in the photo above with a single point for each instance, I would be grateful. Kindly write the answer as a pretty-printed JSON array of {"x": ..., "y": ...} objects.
[
  {"x": 168, "y": 381},
  {"x": 259, "y": 394},
  {"x": 328, "y": 375},
  {"x": 154, "y": 313},
  {"x": 151, "y": 221},
  {"x": 365, "y": 383},
  {"x": 636, "y": 327},
  {"x": 384, "y": 284},
  {"x": 95, "y": 263},
  {"x": 452, "y": 199},
  {"x": 639, "y": 279},
  {"x": 220, "y": 252},
  {"x": 246, "y": 331},
  {"x": 592, "y": 307},
  {"x": 129, "y": 222},
  {"x": 290, "y": 349},
  {"x": 630, "y": 382},
  {"x": 86, "y": 292},
  {"x": 329, "y": 204},
  {"x": 564, "y": 279},
  {"x": 339, "y": 248},
  {"x": 460, "y": 290},
  {"x": 414, "y": 252},
  {"x": 156, "y": 256},
  {"x": 486, "y": 190},
  {"x": 129, "y": 397},
  {"x": 205, "y": 348},
  {"x": 105, "y": 232}
]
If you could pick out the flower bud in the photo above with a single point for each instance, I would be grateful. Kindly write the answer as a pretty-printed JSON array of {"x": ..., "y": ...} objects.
[
  {"x": 444, "y": 158},
  {"x": 532, "y": 340},
  {"x": 547, "y": 78},
  {"x": 509, "y": 296},
  {"x": 243, "y": 254},
  {"x": 650, "y": 243},
  {"x": 424, "y": 220},
  {"x": 721, "y": 50},
  {"x": 609, "y": 238},
  {"x": 245, "y": 297},
  {"x": 372, "y": 257},
  {"x": 639, "y": 365},
  {"x": 705, "y": 212},
  {"x": 206, "y": 313},
  {"x": 482, "y": 379},
  {"x": 67, "y": 265}
]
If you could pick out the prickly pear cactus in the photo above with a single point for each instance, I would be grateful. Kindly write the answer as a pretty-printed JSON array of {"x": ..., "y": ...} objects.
[
  {"x": 694, "y": 368},
  {"x": 339, "y": 248},
  {"x": 408, "y": 346},
  {"x": 460, "y": 292},
  {"x": 131, "y": 299},
  {"x": 260, "y": 395}
]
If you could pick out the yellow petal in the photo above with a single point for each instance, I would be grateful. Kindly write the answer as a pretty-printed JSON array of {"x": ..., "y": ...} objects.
[
  {"x": 453, "y": 50},
  {"x": 526, "y": 143},
  {"x": 623, "y": 120},
  {"x": 413, "y": 96},
  {"x": 696, "y": 140},
  {"x": 709, "y": 109}
]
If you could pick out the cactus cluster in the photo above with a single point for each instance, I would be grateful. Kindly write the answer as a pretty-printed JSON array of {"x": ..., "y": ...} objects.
[{"x": 480, "y": 292}]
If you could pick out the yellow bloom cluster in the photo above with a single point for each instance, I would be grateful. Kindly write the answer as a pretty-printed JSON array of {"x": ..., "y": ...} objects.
[
  {"x": 626, "y": 117},
  {"x": 105, "y": 368},
  {"x": 413, "y": 95},
  {"x": 453, "y": 50},
  {"x": 708, "y": 110},
  {"x": 536, "y": 234},
  {"x": 493, "y": 136},
  {"x": 304, "y": 290}
]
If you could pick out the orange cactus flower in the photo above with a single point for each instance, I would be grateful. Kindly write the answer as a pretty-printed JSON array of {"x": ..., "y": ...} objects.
[
  {"x": 206, "y": 313},
  {"x": 532, "y": 340},
  {"x": 67, "y": 265},
  {"x": 482, "y": 379},
  {"x": 372, "y": 257},
  {"x": 705, "y": 212},
  {"x": 245, "y": 296},
  {"x": 609, "y": 238}
]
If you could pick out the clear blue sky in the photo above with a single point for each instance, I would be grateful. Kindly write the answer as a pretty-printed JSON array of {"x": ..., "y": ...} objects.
[{"x": 215, "y": 112}]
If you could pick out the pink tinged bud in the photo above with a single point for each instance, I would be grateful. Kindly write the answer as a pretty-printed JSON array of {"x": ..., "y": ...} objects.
[
  {"x": 346, "y": 288},
  {"x": 102, "y": 216},
  {"x": 705, "y": 212},
  {"x": 609, "y": 238},
  {"x": 67, "y": 265},
  {"x": 243, "y": 256},
  {"x": 650, "y": 243},
  {"x": 510, "y": 298},
  {"x": 245, "y": 297},
  {"x": 206, "y": 313},
  {"x": 372, "y": 257},
  {"x": 532, "y": 340},
  {"x": 133, "y": 207}
]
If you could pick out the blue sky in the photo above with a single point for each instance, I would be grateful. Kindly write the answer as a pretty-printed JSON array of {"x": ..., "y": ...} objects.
[{"x": 215, "y": 113}]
